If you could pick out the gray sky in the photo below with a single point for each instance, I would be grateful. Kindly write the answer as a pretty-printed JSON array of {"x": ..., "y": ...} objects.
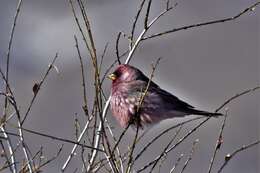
[{"x": 203, "y": 66}]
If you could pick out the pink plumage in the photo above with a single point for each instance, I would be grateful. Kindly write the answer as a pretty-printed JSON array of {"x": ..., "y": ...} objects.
[{"x": 128, "y": 86}]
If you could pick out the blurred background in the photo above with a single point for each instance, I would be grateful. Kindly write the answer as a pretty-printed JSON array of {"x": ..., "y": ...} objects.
[{"x": 203, "y": 66}]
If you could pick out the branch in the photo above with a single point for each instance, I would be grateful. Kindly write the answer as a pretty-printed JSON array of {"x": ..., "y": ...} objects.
[
  {"x": 85, "y": 106},
  {"x": 134, "y": 24},
  {"x": 37, "y": 87},
  {"x": 117, "y": 49},
  {"x": 249, "y": 9},
  {"x": 59, "y": 139},
  {"x": 218, "y": 143},
  {"x": 230, "y": 156}
]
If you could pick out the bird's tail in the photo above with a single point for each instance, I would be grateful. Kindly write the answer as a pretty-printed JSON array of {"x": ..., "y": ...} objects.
[{"x": 205, "y": 113}]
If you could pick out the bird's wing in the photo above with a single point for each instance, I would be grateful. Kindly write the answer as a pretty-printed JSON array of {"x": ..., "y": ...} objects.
[{"x": 157, "y": 104}]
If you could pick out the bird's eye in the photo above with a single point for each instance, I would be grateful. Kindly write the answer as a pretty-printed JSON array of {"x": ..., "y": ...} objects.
[{"x": 117, "y": 74}]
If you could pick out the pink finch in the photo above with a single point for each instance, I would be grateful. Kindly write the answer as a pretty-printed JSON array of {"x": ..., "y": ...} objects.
[{"x": 129, "y": 86}]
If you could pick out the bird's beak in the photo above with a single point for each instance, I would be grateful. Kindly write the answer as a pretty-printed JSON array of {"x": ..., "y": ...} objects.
[{"x": 112, "y": 76}]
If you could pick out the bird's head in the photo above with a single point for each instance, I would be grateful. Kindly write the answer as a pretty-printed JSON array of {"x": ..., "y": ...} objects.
[{"x": 125, "y": 73}]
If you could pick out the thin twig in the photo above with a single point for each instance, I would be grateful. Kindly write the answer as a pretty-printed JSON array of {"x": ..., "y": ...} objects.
[
  {"x": 147, "y": 14},
  {"x": 177, "y": 163},
  {"x": 236, "y": 96},
  {"x": 117, "y": 148},
  {"x": 190, "y": 155},
  {"x": 85, "y": 106},
  {"x": 218, "y": 143},
  {"x": 102, "y": 57},
  {"x": 137, "y": 118},
  {"x": 37, "y": 87},
  {"x": 162, "y": 133},
  {"x": 75, "y": 147},
  {"x": 142, "y": 34},
  {"x": 9, "y": 164},
  {"x": 230, "y": 156},
  {"x": 164, "y": 152},
  {"x": 10, "y": 147},
  {"x": 9, "y": 50},
  {"x": 117, "y": 49},
  {"x": 250, "y": 8},
  {"x": 174, "y": 146},
  {"x": 134, "y": 24},
  {"x": 60, "y": 139},
  {"x": 11, "y": 99}
]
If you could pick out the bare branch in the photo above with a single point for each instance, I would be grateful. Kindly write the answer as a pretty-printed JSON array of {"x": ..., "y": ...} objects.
[
  {"x": 249, "y": 9},
  {"x": 85, "y": 106},
  {"x": 230, "y": 156},
  {"x": 59, "y": 139},
  {"x": 162, "y": 133},
  {"x": 38, "y": 87},
  {"x": 117, "y": 49},
  {"x": 147, "y": 14},
  {"x": 191, "y": 154},
  {"x": 176, "y": 164},
  {"x": 218, "y": 143},
  {"x": 135, "y": 21}
]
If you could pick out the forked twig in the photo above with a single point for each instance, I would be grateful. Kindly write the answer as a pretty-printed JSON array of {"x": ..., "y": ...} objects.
[{"x": 250, "y": 8}]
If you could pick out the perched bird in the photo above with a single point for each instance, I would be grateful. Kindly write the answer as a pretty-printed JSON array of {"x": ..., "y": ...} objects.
[{"x": 129, "y": 85}]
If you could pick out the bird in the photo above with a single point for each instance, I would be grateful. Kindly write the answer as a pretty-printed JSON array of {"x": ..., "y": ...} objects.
[{"x": 137, "y": 100}]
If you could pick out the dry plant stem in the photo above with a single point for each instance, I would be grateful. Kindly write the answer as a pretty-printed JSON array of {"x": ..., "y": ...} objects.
[
  {"x": 21, "y": 135},
  {"x": 24, "y": 148},
  {"x": 105, "y": 109},
  {"x": 9, "y": 50},
  {"x": 92, "y": 52},
  {"x": 121, "y": 137},
  {"x": 193, "y": 130},
  {"x": 147, "y": 14},
  {"x": 110, "y": 158},
  {"x": 173, "y": 147},
  {"x": 130, "y": 157},
  {"x": 130, "y": 160},
  {"x": 117, "y": 49},
  {"x": 134, "y": 24},
  {"x": 177, "y": 163},
  {"x": 10, "y": 147},
  {"x": 108, "y": 152},
  {"x": 163, "y": 153},
  {"x": 230, "y": 156},
  {"x": 161, "y": 134},
  {"x": 5, "y": 153},
  {"x": 85, "y": 106},
  {"x": 87, "y": 23},
  {"x": 102, "y": 58},
  {"x": 49, "y": 160},
  {"x": 98, "y": 135},
  {"x": 80, "y": 28},
  {"x": 140, "y": 37},
  {"x": 117, "y": 148},
  {"x": 250, "y": 8},
  {"x": 75, "y": 147},
  {"x": 39, "y": 87},
  {"x": 190, "y": 156},
  {"x": 60, "y": 139},
  {"x": 11, "y": 99},
  {"x": 236, "y": 96},
  {"x": 218, "y": 144}
]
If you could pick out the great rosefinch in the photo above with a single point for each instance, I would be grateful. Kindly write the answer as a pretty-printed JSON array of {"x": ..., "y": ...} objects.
[{"x": 129, "y": 86}]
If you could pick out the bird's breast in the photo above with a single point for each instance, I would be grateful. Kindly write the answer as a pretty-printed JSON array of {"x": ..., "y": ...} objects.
[{"x": 120, "y": 109}]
